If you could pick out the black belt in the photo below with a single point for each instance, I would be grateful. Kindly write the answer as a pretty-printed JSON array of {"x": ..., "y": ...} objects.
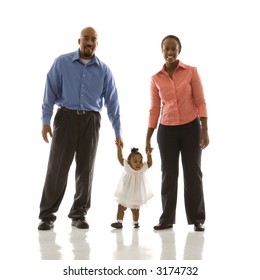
[{"x": 77, "y": 112}]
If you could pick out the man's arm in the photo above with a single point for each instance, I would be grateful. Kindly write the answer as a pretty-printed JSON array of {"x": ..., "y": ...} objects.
[{"x": 46, "y": 129}]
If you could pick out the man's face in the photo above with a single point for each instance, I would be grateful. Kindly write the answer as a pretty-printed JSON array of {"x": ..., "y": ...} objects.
[{"x": 88, "y": 43}]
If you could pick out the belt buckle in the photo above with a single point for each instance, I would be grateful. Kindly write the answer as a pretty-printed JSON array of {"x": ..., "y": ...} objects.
[{"x": 81, "y": 112}]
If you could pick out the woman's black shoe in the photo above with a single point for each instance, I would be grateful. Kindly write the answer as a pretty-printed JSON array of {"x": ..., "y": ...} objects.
[{"x": 162, "y": 226}]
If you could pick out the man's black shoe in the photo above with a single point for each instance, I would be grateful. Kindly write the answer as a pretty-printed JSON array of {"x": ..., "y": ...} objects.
[
  {"x": 199, "y": 227},
  {"x": 46, "y": 224},
  {"x": 80, "y": 222},
  {"x": 162, "y": 226}
]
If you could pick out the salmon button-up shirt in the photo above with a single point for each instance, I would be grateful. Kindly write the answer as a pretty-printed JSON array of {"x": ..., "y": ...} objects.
[{"x": 178, "y": 100}]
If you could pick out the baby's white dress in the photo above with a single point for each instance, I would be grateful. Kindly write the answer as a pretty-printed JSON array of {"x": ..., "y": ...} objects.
[{"x": 133, "y": 189}]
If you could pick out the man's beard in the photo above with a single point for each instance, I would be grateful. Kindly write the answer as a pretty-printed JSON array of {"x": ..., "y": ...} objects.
[{"x": 88, "y": 53}]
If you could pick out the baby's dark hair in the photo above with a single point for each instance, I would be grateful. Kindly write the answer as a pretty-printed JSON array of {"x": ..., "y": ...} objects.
[
  {"x": 134, "y": 151},
  {"x": 172, "y": 37}
]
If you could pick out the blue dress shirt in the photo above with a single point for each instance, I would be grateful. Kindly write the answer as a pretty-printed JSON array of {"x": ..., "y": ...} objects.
[{"x": 77, "y": 86}]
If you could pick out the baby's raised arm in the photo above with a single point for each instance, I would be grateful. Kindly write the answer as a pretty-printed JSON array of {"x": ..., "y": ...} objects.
[
  {"x": 120, "y": 155},
  {"x": 149, "y": 158}
]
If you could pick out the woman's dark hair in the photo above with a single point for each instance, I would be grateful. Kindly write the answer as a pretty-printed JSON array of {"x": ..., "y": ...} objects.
[
  {"x": 172, "y": 37},
  {"x": 134, "y": 151}
]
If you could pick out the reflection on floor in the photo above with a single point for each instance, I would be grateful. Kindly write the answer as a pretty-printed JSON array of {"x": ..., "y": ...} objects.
[
  {"x": 228, "y": 248},
  {"x": 122, "y": 244}
]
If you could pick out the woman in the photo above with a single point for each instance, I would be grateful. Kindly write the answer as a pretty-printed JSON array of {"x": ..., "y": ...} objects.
[{"x": 177, "y": 98}]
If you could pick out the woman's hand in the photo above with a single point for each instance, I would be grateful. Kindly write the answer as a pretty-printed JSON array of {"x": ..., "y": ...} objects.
[{"x": 204, "y": 138}]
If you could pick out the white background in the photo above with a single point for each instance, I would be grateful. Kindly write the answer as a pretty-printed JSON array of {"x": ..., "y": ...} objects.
[{"x": 220, "y": 38}]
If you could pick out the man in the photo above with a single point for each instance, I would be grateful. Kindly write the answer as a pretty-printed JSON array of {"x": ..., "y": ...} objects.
[{"x": 79, "y": 83}]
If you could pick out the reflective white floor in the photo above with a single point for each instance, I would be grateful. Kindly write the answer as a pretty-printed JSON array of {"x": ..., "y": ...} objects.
[
  {"x": 125, "y": 244},
  {"x": 225, "y": 247}
]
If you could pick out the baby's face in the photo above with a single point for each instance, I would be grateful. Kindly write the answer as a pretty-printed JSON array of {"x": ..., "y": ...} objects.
[{"x": 136, "y": 162}]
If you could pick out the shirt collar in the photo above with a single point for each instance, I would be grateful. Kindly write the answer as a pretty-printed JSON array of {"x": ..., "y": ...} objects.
[
  {"x": 180, "y": 64},
  {"x": 76, "y": 56}
]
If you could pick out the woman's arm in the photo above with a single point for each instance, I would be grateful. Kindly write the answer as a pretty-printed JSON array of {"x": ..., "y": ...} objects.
[
  {"x": 204, "y": 138},
  {"x": 148, "y": 147},
  {"x": 149, "y": 135}
]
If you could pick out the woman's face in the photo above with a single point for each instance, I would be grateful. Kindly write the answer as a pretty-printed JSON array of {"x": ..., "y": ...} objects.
[{"x": 170, "y": 50}]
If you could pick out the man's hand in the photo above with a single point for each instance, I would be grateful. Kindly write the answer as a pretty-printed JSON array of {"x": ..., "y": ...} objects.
[
  {"x": 46, "y": 129},
  {"x": 119, "y": 141}
]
